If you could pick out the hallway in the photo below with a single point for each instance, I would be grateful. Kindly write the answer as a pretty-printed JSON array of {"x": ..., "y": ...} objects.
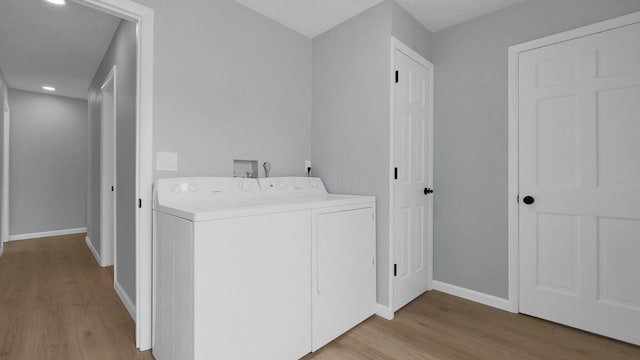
[{"x": 57, "y": 303}]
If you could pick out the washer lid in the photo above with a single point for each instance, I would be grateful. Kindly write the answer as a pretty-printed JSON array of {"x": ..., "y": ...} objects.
[
  {"x": 209, "y": 198},
  {"x": 203, "y": 211},
  {"x": 340, "y": 200}
]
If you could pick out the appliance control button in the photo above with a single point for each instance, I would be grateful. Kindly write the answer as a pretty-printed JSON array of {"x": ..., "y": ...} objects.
[
  {"x": 282, "y": 184},
  {"x": 180, "y": 187}
]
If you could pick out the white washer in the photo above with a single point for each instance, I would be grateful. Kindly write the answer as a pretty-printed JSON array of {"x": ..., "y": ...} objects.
[
  {"x": 232, "y": 272},
  {"x": 343, "y": 247}
]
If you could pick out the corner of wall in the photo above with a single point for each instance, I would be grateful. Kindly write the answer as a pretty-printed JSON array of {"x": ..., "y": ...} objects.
[
  {"x": 95, "y": 252},
  {"x": 350, "y": 140},
  {"x": 410, "y": 31},
  {"x": 126, "y": 300}
]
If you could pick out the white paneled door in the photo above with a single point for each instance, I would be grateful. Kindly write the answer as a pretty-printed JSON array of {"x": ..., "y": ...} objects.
[
  {"x": 579, "y": 207},
  {"x": 412, "y": 200}
]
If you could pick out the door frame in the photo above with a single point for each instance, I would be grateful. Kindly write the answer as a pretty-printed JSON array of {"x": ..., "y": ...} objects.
[
  {"x": 396, "y": 44},
  {"x": 513, "y": 134},
  {"x": 144, "y": 19},
  {"x": 108, "y": 248},
  {"x": 6, "y": 148}
]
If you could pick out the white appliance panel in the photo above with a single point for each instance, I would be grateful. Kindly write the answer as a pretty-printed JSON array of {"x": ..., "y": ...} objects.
[
  {"x": 252, "y": 291},
  {"x": 343, "y": 269},
  {"x": 341, "y": 238},
  {"x": 173, "y": 328}
]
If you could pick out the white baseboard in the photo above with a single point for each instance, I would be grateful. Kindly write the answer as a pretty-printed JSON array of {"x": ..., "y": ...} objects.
[
  {"x": 126, "y": 300},
  {"x": 93, "y": 250},
  {"x": 482, "y": 298},
  {"x": 384, "y": 311},
  {"x": 47, "y": 234}
]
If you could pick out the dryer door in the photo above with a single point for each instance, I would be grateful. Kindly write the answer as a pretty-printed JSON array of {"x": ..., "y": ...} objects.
[
  {"x": 344, "y": 247},
  {"x": 344, "y": 276}
]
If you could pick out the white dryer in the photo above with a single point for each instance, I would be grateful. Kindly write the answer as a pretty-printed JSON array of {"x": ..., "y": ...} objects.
[
  {"x": 343, "y": 248},
  {"x": 232, "y": 272}
]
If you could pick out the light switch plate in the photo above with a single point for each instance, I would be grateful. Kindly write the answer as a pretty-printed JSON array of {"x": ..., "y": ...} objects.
[
  {"x": 307, "y": 164},
  {"x": 166, "y": 161}
]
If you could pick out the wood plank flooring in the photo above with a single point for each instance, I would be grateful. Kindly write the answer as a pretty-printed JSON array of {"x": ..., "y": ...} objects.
[
  {"x": 56, "y": 303},
  {"x": 441, "y": 326}
]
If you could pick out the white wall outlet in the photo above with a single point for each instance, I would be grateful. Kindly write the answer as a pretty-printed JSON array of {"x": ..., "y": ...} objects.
[
  {"x": 166, "y": 161},
  {"x": 307, "y": 165}
]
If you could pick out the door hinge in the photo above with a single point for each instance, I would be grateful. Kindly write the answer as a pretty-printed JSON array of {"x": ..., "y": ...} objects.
[
  {"x": 395, "y": 269},
  {"x": 397, "y": 77},
  {"x": 112, "y": 188},
  {"x": 139, "y": 203},
  {"x": 395, "y": 174},
  {"x": 518, "y": 198}
]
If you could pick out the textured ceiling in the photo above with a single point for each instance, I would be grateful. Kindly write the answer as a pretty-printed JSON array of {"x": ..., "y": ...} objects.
[
  {"x": 45, "y": 44},
  {"x": 313, "y": 17},
  {"x": 440, "y": 14}
]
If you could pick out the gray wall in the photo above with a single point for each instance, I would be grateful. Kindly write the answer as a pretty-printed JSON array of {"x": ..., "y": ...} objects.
[
  {"x": 122, "y": 53},
  {"x": 48, "y": 163},
  {"x": 470, "y": 243},
  {"x": 229, "y": 84},
  {"x": 350, "y": 126},
  {"x": 410, "y": 31},
  {"x": 351, "y": 110}
]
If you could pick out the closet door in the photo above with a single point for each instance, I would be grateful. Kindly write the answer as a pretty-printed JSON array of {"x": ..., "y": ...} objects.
[
  {"x": 412, "y": 199},
  {"x": 579, "y": 177}
]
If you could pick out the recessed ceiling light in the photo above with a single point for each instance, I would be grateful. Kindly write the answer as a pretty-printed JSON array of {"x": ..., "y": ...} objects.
[
  {"x": 57, "y": 2},
  {"x": 49, "y": 88}
]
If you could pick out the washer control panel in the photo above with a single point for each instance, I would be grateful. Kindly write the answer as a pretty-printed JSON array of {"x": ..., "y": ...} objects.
[
  {"x": 207, "y": 188},
  {"x": 227, "y": 189},
  {"x": 291, "y": 185}
]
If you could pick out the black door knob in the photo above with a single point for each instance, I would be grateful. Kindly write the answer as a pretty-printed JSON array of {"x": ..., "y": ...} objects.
[
  {"x": 428, "y": 191},
  {"x": 528, "y": 200}
]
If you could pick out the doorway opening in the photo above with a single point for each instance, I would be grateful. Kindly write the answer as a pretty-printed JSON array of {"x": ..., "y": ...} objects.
[
  {"x": 143, "y": 18},
  {"x": 138, "y": 202}
]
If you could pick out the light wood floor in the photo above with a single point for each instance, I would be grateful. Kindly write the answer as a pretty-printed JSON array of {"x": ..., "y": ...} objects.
[
  {"x": 440, "y": 326},
  {"x": 56, "y": 303}
]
